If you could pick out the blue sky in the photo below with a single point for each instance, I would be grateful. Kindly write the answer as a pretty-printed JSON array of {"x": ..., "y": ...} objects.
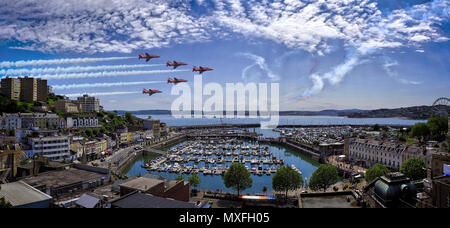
[{"x": 325, "y": 54}]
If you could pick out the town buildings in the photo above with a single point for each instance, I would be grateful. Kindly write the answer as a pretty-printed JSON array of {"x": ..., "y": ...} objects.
[
  {"x": 40, "y": 121},
  {"x": 21, "y": 195},
  {"x": 69, "y": 183},
  {"x": 55, "y": 148},
  {"x": 88, "y": 104},
  {"x": 441, "y": 192},
  {"x": 32, "y": 121},
  {"x": 12, "y": 121},
  {"x": 177, "y": 190},
  {"x": 11, "y": 88},
  {"x": 154, "y": 126},
  {"x": 372, "y": 151},
  {"x": 67, "y": 106},
  {"x": 27, "y": 89},
  {"x": 89, "y": 121},
  {"x": 394, "y": 190}
]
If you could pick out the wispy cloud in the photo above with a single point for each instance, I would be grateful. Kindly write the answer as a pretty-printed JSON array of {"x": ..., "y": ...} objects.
[
  {"x": 58, "y": 70},
  {"x": 259, "y": 62},
  {"x": 96, "y": 85},
  {"x": 389, "y": 64},
  {"x": 105, "y": 74},
  {"x": 22, "y": 63}
]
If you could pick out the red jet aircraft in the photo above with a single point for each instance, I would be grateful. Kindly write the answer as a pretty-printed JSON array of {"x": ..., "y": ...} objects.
[
  {"x": 175, "y": 64},
  {"x": 151, "y": 91},
  {"x": 147, "y": 56},
  {"x": 175, "y": 80},
  {"x": 201, "y": 69}
]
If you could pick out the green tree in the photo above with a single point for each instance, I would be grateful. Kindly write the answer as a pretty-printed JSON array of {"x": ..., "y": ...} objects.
[
  {"x": 376, "y": 127},
  {"x": 179, "y": 178},
  {"x": 420, "y": 131},
  {"x": 375, "y": 171},
  {"x": 414, "y": 168},
  {"x": 194, "y": 180},
  {"x": 4, "y": 203},
  {"x": 237, "y": 177},
  {"x": 89, "y": 133},
  {"x": 129, "y": 118},
  {"x": 285, "y": 179},
  {"x": 438, "y": 127},
  {"x": 325, "y": 176}
]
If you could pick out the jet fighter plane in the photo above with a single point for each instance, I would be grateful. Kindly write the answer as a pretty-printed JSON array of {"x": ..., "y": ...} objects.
[
  {"x": 175, "y": 64},
  {"x": 151, "y": 91},
  {"x": 147, "y": 56},
  {"x": 201, "y": 69},
  {"x": 175, "y": 80}
]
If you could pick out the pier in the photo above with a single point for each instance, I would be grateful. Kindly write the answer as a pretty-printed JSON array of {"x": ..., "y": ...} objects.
[{"x": 302, "y": 148}]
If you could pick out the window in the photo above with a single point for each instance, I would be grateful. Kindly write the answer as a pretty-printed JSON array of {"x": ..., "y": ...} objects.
[{"x": 448, "y": 201}]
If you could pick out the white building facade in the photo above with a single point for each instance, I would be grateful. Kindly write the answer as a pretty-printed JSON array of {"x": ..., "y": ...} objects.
[
  {"x": 12, "y": 122},
  {"x": 82, "y": 122},
  {"x": 55, "y": 148},
  {"x": 373, "y": 152}
]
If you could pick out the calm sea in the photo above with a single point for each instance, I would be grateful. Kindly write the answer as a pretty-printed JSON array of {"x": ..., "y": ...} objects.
[{"x": 285, "y": 120}]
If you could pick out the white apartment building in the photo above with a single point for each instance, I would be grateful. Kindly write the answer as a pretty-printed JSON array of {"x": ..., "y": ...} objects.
[
  {"x": 82, "y": 122},
  {"x": 374, "y": 152},
  {"x": 12, "y": 122},
  {"x": 88, "y": 104},
  {"x": 55, "y": 148}
]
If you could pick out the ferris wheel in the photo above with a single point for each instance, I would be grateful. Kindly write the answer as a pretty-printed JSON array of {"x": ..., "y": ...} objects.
[
  {"x": 442, "y": 101},
  {"x": 441, "y": 106}
]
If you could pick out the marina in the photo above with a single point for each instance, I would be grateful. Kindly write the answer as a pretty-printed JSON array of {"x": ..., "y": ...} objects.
[{"x": 211, "y": 158}]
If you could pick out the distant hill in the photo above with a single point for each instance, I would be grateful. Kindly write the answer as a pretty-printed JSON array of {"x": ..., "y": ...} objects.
[
  {"x": 417, "y": 112},
  {"x": 282, "y": 113},
  {"x": 330, "y": 112}
]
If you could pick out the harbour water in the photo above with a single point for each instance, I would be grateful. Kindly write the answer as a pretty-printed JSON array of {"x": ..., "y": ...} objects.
[{"x": 304, "y": 164}]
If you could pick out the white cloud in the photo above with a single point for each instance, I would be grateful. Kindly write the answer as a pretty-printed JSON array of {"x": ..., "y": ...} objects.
[
  {"x": 127, "y": 25},
  {"x": 99, "y": 26},
  {"x": 388, "y": 65},
  {"x": 259, "y": 62}
]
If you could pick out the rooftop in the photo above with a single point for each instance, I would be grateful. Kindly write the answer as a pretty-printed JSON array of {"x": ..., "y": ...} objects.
[
  {"x": 141, "y": 200},
  {"x": 20, "y": 193},
  {"x": 337, "y": 201},
  {"x": 87, "y": 201},
  {"x": 61, "y": 178},
  {"x": 142, "y": 183}
]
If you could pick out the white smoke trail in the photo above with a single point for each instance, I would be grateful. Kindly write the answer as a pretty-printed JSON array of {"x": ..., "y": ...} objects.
[
  {"x": 388, "y": 64},
  {"x": 22, "y": 63},
  {"x": 59, "y": 70},
  {"x": 261, "y": 63},
  {"x": 95, "y": 85},
  {"x": 336, "y": 75},
  {"x": 99, "y": 94},
  {"x": 104, "y": 74}
]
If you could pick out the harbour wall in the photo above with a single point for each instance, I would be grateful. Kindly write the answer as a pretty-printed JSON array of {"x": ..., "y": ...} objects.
[{"x": 212, "y": 126}]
